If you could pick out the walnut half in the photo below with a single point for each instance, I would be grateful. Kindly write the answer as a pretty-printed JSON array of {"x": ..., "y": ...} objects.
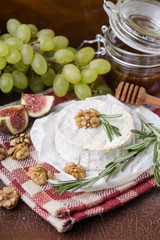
[
  {"x": 76, "y": 171},
  {"x": 20, "y": 151},
  {"x": 20, "y": 138},
  {"x": 39, "y": 174},
  {"x": 87, "y": 118},
  {"x": 20, "y": 144},
  {"x": 8, "y": 197}
]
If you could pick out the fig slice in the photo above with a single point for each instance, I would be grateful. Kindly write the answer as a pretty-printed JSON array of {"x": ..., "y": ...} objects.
[
  {"x": 13, "y": 119},
  {"x": 37, "y": 105}
]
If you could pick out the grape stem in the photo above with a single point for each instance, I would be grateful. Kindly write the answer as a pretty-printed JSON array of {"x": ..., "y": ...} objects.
[
  {"x": 32, "y": 43},
  {"x": 50, "y": 59}
]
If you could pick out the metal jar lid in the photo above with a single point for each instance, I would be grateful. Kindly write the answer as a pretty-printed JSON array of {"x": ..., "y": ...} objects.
[{"x": 136, "y": 23}]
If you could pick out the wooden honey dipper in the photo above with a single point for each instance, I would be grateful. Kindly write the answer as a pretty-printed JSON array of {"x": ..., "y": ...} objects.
[{"x": 134, "y": 94}]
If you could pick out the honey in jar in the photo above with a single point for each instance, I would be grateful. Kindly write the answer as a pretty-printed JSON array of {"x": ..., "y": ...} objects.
[{"x": 133, "y": 43}]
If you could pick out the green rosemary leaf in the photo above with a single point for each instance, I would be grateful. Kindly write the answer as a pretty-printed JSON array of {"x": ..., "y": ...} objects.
[
  {"x": 110, "y": 116},
  {"x": 105, "y": 126},
  {"x": 115, "y": 130},
  {"x": 126, "y": 164},
  {"x": 142, "y": 135},
  {"x": 137, "y": 131},
  {"x": 124, "y": 157},
  {"x": 157, "y": 129},
  {"x": 110, "y": 129},
  {"x": 91, "y": 182},
  {"x": 109, "y": 175},
  {"x": 156, "y": 132},
  {"x": 134, "y": 147}
]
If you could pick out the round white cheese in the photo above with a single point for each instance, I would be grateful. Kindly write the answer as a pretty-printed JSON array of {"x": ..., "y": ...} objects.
[{"x": 90, "y": 147}]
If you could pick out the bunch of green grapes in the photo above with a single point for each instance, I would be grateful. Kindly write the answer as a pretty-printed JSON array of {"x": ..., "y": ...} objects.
[{"x": 33, "y": 59}]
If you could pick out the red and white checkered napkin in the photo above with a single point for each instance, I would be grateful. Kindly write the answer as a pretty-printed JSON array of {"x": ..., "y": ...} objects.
[{"x": 63, "y": 211}]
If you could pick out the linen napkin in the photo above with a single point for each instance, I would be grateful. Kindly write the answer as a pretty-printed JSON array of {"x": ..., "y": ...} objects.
[{"x": 63, "y": 211}]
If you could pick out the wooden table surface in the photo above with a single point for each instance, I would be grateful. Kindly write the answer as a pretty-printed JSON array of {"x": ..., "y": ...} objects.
[{"x": 138, "y": 219}]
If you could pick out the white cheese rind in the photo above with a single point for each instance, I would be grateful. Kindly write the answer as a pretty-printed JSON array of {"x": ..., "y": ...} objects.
[{"x": 90, "y": 147}]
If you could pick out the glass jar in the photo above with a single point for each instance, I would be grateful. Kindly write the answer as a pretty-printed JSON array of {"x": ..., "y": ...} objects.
[{"x": 132, "y": 43}]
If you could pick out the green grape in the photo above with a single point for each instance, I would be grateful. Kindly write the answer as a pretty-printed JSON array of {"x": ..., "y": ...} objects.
[
  {"x": 84, "y": 56},
  {"x": 13, "y": 57},
  {"x": 48, "y": 77},
  {"x": 36, "y": 84},
  {"x": 3, "y": 49},
  {"x": 89, "y": 75},
  {"x": 63, "y": 56},
  {"x": 27, "y": 54},
  {"x": 104, "y": 89},
  {"x": 14, "y": 43},
  {"x": 71, "y": 73},
  {"x": 39, "y": 64},
  {"x": 46, "y": 32},
  {"x": 60, "y": 42},
  {"x": 12, "y": 26},
  {"x": 3, "y": 63},
  {"x": 20, "y": 79},
  {"x": 58, "y": 67},
  {"x": 73, "y": 50},
  {"x": 82, "y": 91},
  {"x": 102, "y": 66},
  {"x": 6, "y": 82},
  {"x": 21, "y": 66},
  {"x": 45, "y": 43},
  {"x": 24, "y": 33},
  {"x": 5, "y": 36},
  {"x": 34, "y": 30},
  {"x": 60, "y": 85}
]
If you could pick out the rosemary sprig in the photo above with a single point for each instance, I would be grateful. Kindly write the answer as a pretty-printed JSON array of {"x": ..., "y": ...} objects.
[
  {"x": 108, "y": 128},
  {"x": 154, "y": 131},
  {"x": 148, "y": 135}
]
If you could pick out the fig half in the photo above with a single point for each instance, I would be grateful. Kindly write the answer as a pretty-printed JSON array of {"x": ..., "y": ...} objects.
[
  {"x": 37, "y": 105},
  {"x": 13, "y": 119}
]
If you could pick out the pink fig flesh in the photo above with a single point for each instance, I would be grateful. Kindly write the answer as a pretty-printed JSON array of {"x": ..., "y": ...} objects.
[
  {"x": 37, "y": 105},
  {"x": 13, "y": 119}
]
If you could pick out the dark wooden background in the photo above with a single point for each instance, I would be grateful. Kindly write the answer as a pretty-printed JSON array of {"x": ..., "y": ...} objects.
[
  {"x": 138, "y": 219},
  {"x": 78, "y": 20}
]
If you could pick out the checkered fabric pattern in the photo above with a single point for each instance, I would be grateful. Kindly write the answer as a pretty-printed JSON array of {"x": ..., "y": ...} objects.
[{"x": 63, "y": 211}]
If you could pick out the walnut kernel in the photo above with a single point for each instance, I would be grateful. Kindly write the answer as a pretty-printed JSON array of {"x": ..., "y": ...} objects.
[
  {"x": 21, "y": 138},
  {"x": 2, "y": 153},
  {"x": 39, "y": 174},
  {"x": 20, "y": 144},
  {"x": 87, "y": 118},
  {"x": 20, "y": 151},
  {"x": 8, "y": 197},
  {"x": 76, "y": 171}
]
